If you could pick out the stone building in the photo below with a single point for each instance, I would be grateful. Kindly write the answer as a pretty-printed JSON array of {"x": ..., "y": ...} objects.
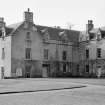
[
  {"x": 30, "y": 50},
  {"x": 92, "y": 51}
]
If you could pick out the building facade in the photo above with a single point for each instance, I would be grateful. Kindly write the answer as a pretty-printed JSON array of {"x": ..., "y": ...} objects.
[
  {"x": 92, "y": 51},
  {"x": 30, "y": 50}
]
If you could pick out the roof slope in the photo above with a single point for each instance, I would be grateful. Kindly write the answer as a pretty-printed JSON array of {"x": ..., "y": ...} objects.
[
  {"x": 11, "y": 28},
  {"x": 53, "y": 32}
]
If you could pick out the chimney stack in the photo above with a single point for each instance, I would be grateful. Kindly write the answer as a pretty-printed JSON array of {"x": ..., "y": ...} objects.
[
  {"x": 2, "y": 23},
  {"x": 28, "y": 16},
  {"x": 89, "y": 26},
  {"x": 2, "y": 27}
]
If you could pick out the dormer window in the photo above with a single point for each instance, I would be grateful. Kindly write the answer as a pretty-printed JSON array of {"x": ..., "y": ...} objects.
[
  {"x": 103, "y": 34},
  {"x": 45, "y": 34},
  {"x": 63, "y": 36},
  {"x": 91, "y": 36}
]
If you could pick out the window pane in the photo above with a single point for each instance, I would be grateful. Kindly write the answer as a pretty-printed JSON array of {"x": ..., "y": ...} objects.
[
  {"x": 45, "y": 53},
  {"x": 28, "y": 53},
  {"x": 28, "y": 35},
  {"x": 99, "y": 52},
  {"x": 87, "y": 68},
  {"x": 3, "y": 53},
  {"x": 87, "y": 53},
  {"x": 64, "y": 56},
  {"x": 64, "y": 67}
]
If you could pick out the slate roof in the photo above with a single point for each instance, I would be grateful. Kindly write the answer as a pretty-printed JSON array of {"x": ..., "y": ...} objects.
[
  {"x": 54, "y": 33},
  {"x": 11, "y": 28},
  {"x": 8, "y": 31},
  {"x": 15, "y": 26},
  {"x": 102, "y": 28},
  {"x": 95, "y": 30},
  {"x": 72, "y": 35}
]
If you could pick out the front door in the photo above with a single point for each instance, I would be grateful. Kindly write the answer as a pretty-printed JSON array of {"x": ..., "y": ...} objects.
[
  {"x": 28, "y": 71},
  {"x": 45, "y": 72}
]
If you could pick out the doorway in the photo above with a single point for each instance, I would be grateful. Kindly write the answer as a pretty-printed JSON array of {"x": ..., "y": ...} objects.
[
  {"x": 28, "y": 71},
  {"x": 45, "y": 71}
]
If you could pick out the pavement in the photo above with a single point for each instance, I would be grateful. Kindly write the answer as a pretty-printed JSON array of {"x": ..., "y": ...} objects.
[{"x": 10, "y": 86}]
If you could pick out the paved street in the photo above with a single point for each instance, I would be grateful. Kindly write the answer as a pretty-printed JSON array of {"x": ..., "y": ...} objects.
[{"x": 92, "y": 94}]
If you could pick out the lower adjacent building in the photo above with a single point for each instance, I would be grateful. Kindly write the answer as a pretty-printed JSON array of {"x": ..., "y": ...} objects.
[{"x": 30, "y": 50}]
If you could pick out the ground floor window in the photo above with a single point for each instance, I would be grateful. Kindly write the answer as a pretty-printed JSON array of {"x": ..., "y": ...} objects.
[
  {"x": 2, "y": 72},
  {"x": 87, "y": 68},
  {"x": 78, "y": 68},
  {"x": 64, "y": 67}
]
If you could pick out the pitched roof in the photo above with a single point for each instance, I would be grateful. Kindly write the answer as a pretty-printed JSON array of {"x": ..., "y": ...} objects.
[
  {"x": 8, "y": 31},
  {"x": 15, "y": 26},
  {"x": 95, "y": 30},
  {"x": 102, "y": 28},
  {"x": 54, "y": 33}
]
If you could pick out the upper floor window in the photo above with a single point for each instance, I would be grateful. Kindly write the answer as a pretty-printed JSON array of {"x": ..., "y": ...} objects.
[
  {"x": 28, "y": 40},
  {"x": 28, "y": 43},
  {"x": 98, "y": 52},
  {"x": 3, "y": 53},
  {"x": 28, "y": 36},
  {"x": 28, "y": 53},
  {"x": 87, "y": 53},
  {"x": 45, "y": 53},
  {"x": 64, "y": 55}
]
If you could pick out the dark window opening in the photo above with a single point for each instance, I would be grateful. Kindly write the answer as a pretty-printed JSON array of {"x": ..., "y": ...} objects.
[
  {"x": 87, "y": 68},
  {"x": 2, "y": 72},
  {"x": 0, "y": 33},
  {"x": 3, "y": 53},
  {"x": 28, "y": 35},
  {"x": 99, "y": 52},
  {"x": 102, "y": 34},
  {"x": 64, "y": 57},
  {"x": 64, "y": 67},
  {"x": 91, "y": 36},
  {"x": 87, "y": 53},
  {"x": 78, "y": 68},
  {"x": 28, "y": 53},
  {"x": 45, "y": 53}
]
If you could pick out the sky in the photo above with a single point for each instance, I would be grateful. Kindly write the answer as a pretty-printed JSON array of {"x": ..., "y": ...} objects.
[{"x": 56, "y": 12}]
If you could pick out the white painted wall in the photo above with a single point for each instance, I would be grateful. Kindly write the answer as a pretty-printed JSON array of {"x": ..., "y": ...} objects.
[{"x": 6, "y": 62}]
